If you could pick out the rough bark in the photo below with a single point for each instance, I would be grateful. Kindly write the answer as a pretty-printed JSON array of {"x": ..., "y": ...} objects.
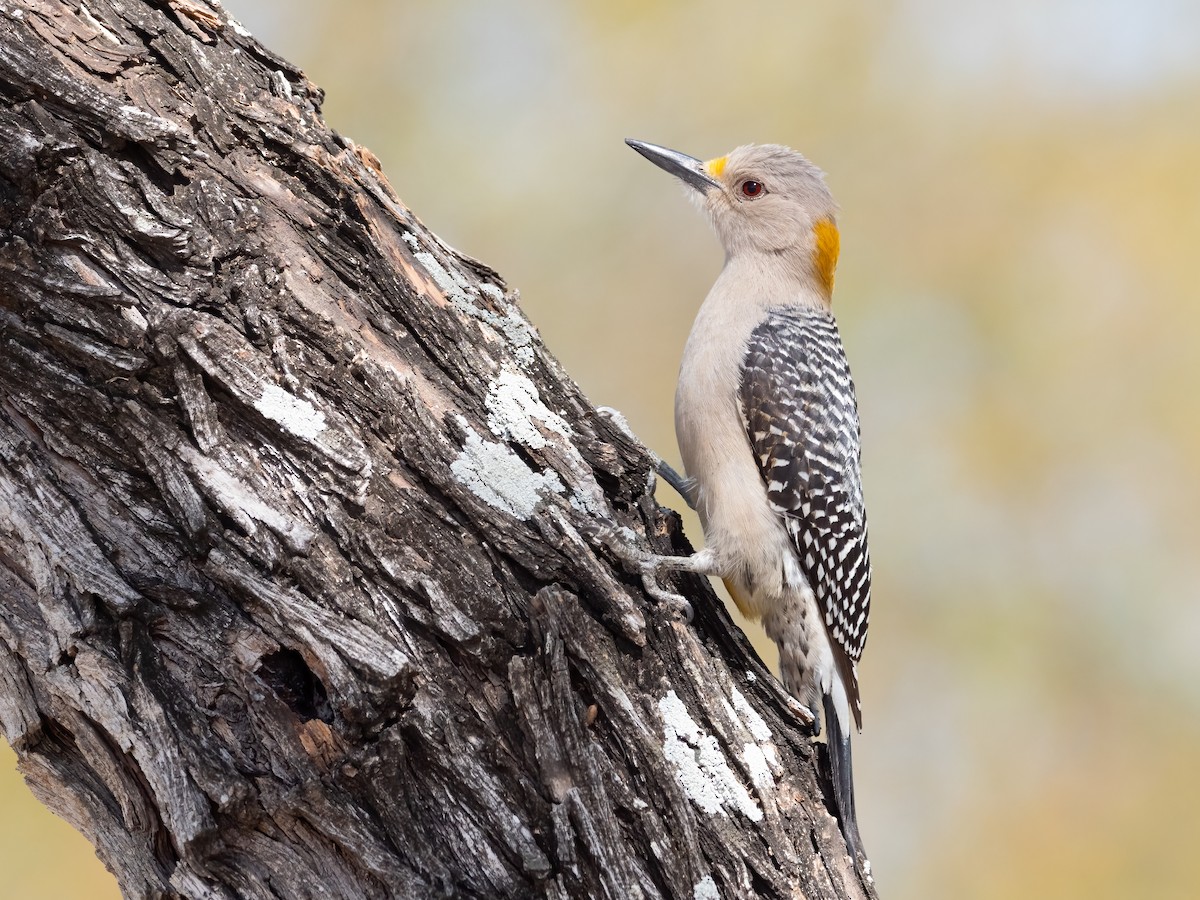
[{"x": 301, "y": 588}]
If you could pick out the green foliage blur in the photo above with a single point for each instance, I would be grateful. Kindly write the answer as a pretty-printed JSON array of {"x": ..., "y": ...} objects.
[{"x": 1020, "y": 221}]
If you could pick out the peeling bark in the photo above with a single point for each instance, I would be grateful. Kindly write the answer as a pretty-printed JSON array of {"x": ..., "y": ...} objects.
[{"x": 302, "y": 591}]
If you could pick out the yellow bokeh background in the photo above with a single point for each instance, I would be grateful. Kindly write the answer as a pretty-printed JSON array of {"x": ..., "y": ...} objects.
[
  {"x": 41, "y": 856},
  {"x": 1020, "y": 223}
]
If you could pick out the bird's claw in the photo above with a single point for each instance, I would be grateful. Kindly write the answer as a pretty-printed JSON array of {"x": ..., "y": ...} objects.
[
  {"x": 648, "y": 566},
  {"x": 676, "y": 602}
]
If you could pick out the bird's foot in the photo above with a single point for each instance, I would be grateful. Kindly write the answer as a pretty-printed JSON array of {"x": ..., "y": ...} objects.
[
  {"x": 677, "y": 603},
  {"x": 620, "y": 543}
]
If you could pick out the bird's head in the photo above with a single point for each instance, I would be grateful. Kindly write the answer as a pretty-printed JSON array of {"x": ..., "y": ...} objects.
[{"x": 763, "y": 198}]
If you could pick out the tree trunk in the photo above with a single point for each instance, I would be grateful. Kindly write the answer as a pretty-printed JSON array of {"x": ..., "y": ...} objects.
[{"x": 303, "y": 589}]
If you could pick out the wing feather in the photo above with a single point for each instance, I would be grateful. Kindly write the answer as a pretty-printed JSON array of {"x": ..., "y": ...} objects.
[{"x": 801, "y": 416}]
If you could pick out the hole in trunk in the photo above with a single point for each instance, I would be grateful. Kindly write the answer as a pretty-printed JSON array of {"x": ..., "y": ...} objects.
[{"x": 293, "y": 682}]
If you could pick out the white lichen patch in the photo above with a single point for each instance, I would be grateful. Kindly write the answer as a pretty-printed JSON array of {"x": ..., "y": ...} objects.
[
  {"x": 452, "y": 287},
  {"x": 513, "y": 327},
  {"x": 617, "y": 418},
  {"x": 758, "y": 767},
  {"x": 500, "y": 478},
  {"x": 516, "y": 413},
  {"x": 772, "y": 756},
  {"x": 294, "y": 414},
  {"x": 765, "y": 751},
  {"x": 750, "y": 716},
  {"x": 706, "y": 889},
  {"x": 516, "y": 330},
  {"x": 513, "y": 406},
  {"x": 700, "y": 765}
]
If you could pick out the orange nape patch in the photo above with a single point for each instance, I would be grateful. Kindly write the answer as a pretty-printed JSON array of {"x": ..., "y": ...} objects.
[
  {"x": 825, "y": 254},
  {"x": 716, "y": 167}
]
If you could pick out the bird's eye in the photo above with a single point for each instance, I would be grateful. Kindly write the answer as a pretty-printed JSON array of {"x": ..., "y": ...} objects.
[{"x": 752, "y": 188}]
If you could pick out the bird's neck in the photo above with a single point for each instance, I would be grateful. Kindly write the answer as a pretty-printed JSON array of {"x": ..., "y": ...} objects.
[{"x": 771, "y": 279}]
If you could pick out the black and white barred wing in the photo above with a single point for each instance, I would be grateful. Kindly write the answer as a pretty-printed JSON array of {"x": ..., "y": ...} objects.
[{"x": 801, "y": 416}]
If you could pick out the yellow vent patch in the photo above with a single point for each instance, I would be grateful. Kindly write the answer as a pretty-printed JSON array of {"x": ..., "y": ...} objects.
[
  {"x": 825, "y": 254},
  {"x": 716, "y": 167},
  {"x": 743, "y": 602}
]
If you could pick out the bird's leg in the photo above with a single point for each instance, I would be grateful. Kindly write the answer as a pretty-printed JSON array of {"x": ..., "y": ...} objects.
[
  {"x": 703, "y": 562},
  {"x": 650, "y": 566},
  {"x": 685, "y": 487}
]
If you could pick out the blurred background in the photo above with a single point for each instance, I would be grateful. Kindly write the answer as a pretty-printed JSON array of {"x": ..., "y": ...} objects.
[{"x": 1020, "y": 196}]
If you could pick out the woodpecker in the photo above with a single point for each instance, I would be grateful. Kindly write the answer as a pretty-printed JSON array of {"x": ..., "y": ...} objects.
[{"x": 767, "y": 424}]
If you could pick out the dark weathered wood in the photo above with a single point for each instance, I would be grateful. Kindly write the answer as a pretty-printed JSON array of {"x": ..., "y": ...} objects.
[{"x": 301, "y": 593}]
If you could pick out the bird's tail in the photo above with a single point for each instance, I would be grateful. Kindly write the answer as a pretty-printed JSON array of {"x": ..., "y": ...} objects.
[{"x": 838, "y": 740}]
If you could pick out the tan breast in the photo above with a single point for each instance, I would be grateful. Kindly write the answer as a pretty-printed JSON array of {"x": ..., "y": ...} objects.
[{"x": 746, "y": 535}]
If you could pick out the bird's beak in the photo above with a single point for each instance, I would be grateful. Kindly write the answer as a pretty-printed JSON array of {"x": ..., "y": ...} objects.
[{"x": 691, "y": 170}]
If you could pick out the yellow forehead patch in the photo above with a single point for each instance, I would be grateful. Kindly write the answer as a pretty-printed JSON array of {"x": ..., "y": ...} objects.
[
  {"x": 825, "y": 253},
  {"x": 716, "y": 167}
]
